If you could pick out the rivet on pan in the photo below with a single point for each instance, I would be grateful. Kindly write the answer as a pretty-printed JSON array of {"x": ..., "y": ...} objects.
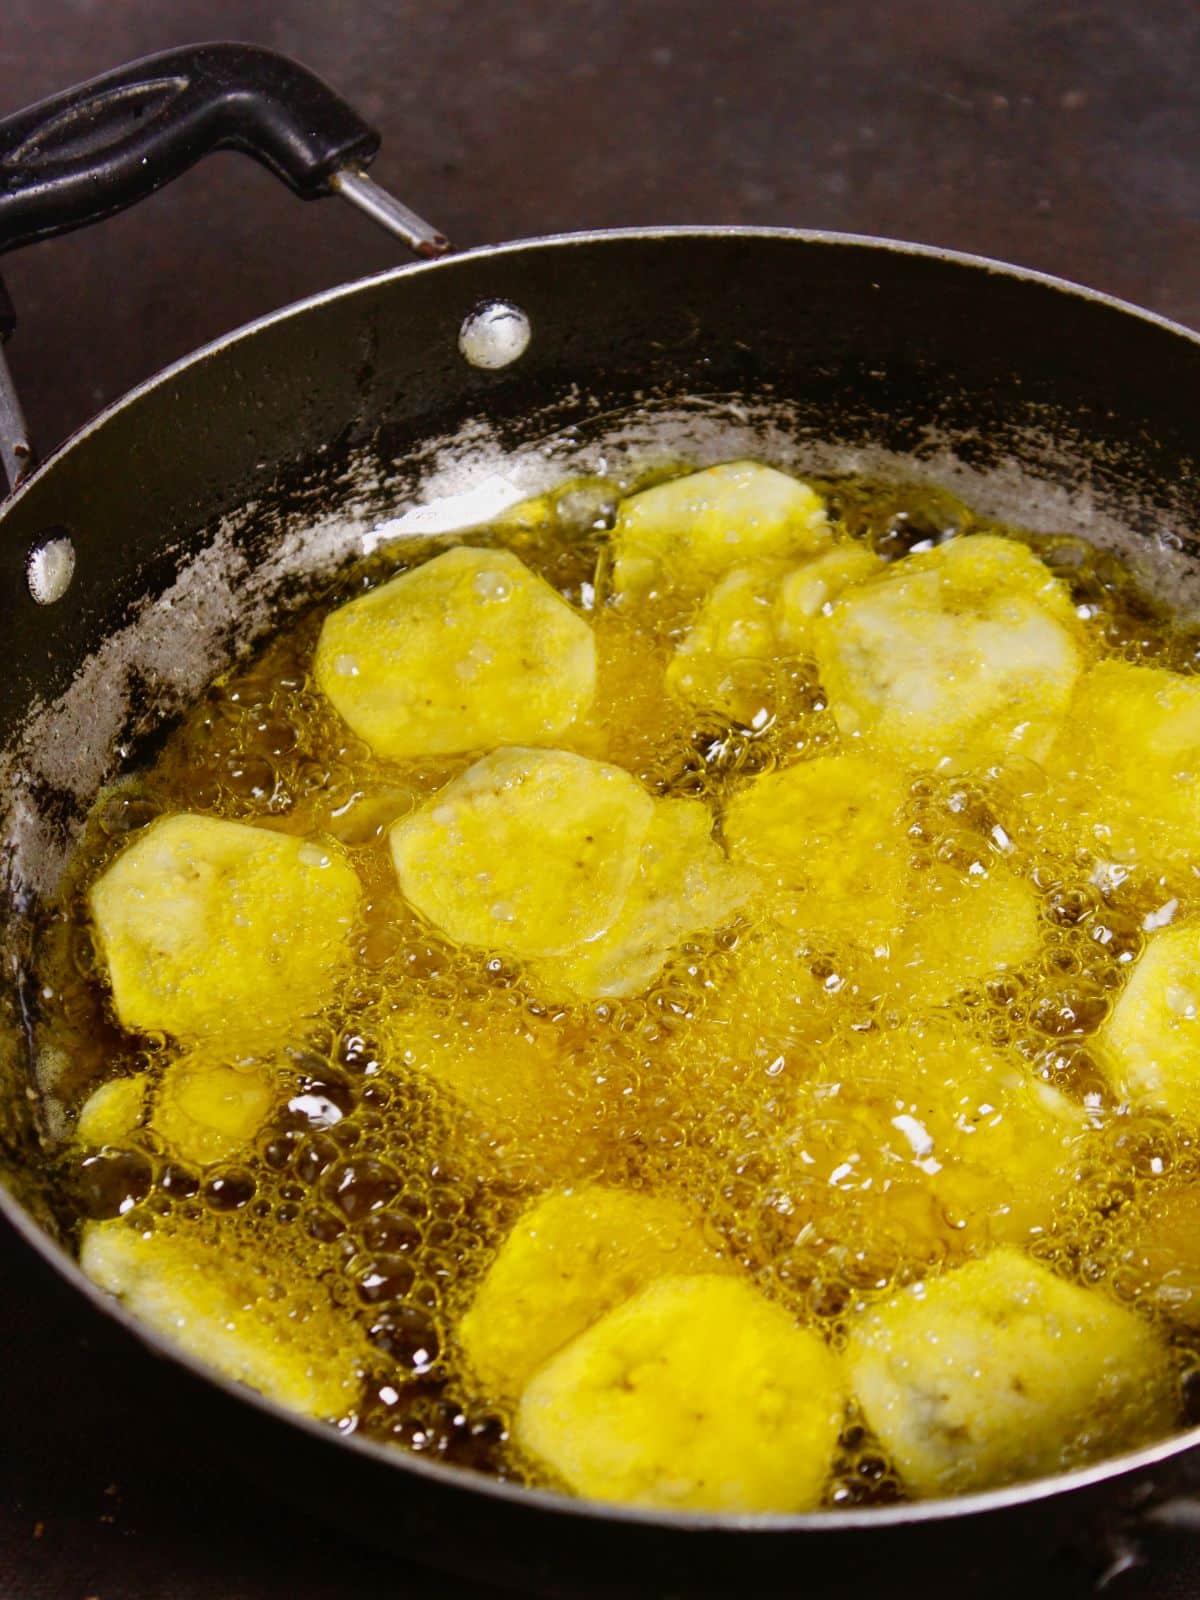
[
  {"x": 50, "y": 568},
  {"x": 495, "y": 334}
]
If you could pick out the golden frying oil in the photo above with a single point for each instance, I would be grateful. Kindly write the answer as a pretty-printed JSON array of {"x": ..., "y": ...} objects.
[{"x": 390, "y": 1190}]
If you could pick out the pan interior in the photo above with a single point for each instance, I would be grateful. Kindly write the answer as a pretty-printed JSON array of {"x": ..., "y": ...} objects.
[{"x": 221, "y": 584}]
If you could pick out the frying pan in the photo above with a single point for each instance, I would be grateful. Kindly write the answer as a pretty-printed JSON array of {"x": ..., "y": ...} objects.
[{"x": 174, "y": 530}]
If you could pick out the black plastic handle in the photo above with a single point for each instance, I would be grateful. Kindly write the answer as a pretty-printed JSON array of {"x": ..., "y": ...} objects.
[{"x": 93, "y": 150}]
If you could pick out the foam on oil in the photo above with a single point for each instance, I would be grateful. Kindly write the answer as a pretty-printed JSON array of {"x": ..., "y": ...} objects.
[{"x": 386, "y": 1182}]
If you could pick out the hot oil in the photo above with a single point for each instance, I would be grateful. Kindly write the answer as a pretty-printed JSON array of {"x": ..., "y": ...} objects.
[{"x": 439, "y": 1094}]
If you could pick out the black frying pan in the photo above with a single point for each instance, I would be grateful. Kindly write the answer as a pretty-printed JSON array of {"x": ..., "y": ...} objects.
[{"x": 167, "y": 535}]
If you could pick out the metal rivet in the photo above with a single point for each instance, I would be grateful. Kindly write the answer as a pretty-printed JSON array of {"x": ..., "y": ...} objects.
[
  {"x": 494, "y": 335},
  {"x": 50, "y": 568}
]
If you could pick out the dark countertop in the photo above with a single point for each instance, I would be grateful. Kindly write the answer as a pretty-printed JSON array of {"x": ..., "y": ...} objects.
[{"x": 1062, "y": 135}]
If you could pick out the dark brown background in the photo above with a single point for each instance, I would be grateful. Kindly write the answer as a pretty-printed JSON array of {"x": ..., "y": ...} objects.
[{"x": 1065, "y": 136}]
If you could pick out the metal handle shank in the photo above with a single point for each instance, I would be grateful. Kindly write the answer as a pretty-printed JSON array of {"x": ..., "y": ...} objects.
[{"x": 93, "y": 150}]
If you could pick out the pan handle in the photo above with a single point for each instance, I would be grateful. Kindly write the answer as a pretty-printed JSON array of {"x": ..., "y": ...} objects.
[{"x": 93, "y": 150}]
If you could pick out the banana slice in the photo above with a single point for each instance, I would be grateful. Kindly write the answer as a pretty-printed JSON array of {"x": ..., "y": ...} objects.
[
  {"x": 736, "y": 622},
  {"x": 565, "y": 1263},
  {"x": 524, "y": 1094},
  {"x": 1149, "y": 1045},
  {"x": 698, "y": 1394},
  {"x": 112, "y": 1111},
  {"x": 1154, "y": 1251},
  {"x": 968, "y": 928},
  {"x": 469, "y": 650},
  {"x": 206, "y": 925},
  {"x": 758, "y": 612},
  {"x": 528, "y": 852},
  {"x": 694, "y": 528},
  {"x": 963, "y": 655},
  {"x": 827, "y": 837},
  {"x": 684, "y": 886},
  {"x": 632, "y": 722},
  {"x": 208, "y": 1108},
  {"x": 808, "y": 590},
  {"x": 204, "y": 1107},
  {"x": 918, "y": 1144},
  {"x": 957, "y": 933},
  {"x": 774, "y": 1004},
  {"x": 999, "y": 1372},
  {"x": 1133, "y": 733},
  {"x": 220, "y": 1301}
]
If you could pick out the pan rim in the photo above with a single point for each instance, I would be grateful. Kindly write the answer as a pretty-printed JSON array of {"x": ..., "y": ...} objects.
[
  {"x": 989, "y": 265},
  {"x": 451, "y": 1477}
]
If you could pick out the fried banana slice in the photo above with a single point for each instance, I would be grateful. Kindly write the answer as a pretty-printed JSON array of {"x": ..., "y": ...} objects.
[
  {"x": 1154, "y": 1251},
  {"x": 829, "y": 840},
  {"x": 807, "y": 591},
  {"x": 968, "y": 928},
  {"x": 1149, "y": 1047},
  {"x": 528, "y": 852},
  {"x": 112, "y": 1111},
  {"x": 220, "y": 1301},
  {"x": 525, "y": 1085},
  {"x": 999, "y": 1372},
  {"x": 209, "y": 1108},
  {"x": 963, "y": 655},
  {"x": 683, "y": 886},
  {"x": 568, "y": 1260},
  {"x": 736, "y": 622},
  {"x": 692, "y": 529},
  {"x": 772, "y": 1004},
  {"x": 698, "y": 1394},
  {"x": 757, "y": 612},
  {"x": 469, "y": 650},
  {"x": 205, "y": 925},
  {"x": 1125, "y": 771},
  {"x": 632, "y": 722},
  {"x": 918, "y": 1144},
  {"x": 827, "y": 837}
]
